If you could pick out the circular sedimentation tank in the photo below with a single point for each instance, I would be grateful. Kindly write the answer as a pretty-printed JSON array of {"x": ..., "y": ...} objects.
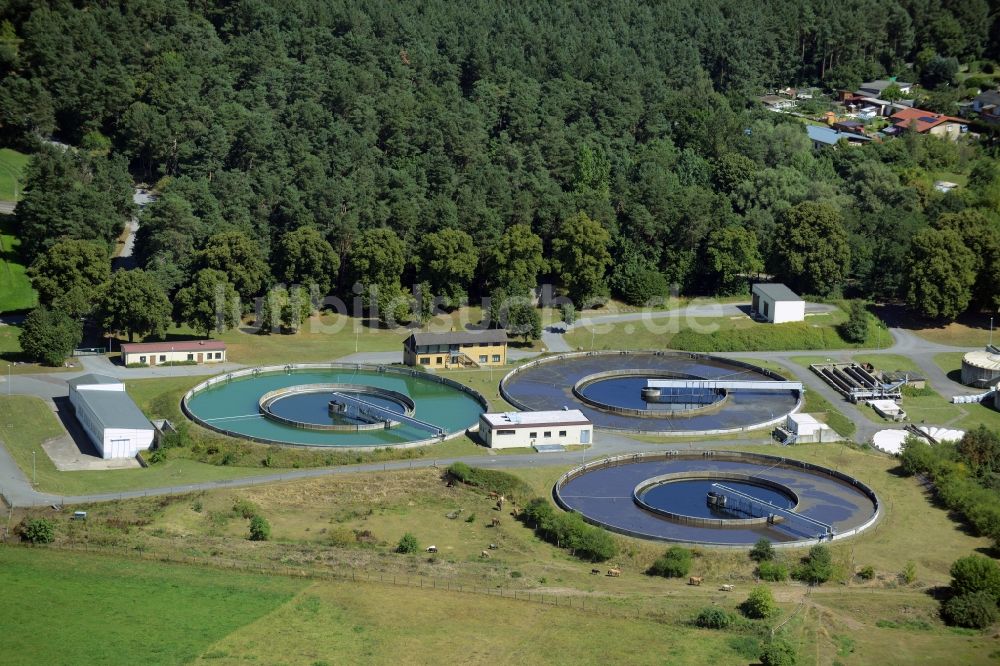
[
  {"x": 718, "y": 498},
  {"x": 610, "y": 388},
  {"x": 335, "y": 405},
  {"x": 981, "y": 369}
]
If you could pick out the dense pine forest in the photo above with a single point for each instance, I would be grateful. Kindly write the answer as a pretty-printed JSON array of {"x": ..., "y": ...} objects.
[{"x": 614, "y": 147}]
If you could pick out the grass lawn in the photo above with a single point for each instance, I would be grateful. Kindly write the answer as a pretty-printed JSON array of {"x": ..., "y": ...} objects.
[
  {"x": 26, "y": 422},
  {"x": 345, "y": 623},
  {"x": 951, "y": 364},
  {"x": 844, "y": 620},
  {"x": 721, "y": 334},
  {"x": 824, "y": 410},
  {"x": 15, "y": 288},
  {"x": 12, "y": 165},
  {"x": 888, "y": 362},
  {"x": 970, "y": 330},
  {"x": 75, "y": 608}
]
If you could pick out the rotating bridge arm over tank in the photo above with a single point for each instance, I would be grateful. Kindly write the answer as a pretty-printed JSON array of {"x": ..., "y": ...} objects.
[
  {"x": 669, "y": 389},
  {"x": 371, "y": 410},
  {"x": 724, "y": 384},
  {"x": 750, "y": 503}
]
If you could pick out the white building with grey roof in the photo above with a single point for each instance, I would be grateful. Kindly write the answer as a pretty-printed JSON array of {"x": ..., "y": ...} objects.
[
  {"x": 776, "y": 303},
  {"x": 506, "y": 430},
  {"x": 108, "y": 415}
]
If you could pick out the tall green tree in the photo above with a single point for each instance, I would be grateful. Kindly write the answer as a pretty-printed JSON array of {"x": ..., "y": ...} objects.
[
  {"x": 67, "y": 274},
  {"x": 447, "y": 259},
  {"x": 285, "y": 309},
  {"x": 811, "y": 250},
  {"x": 941, "y": 274},
  {"x": 133, "y": 302},
  {"x": 515, "y": 260},
  {"x": 209, "y": 303},
  {"x": 580, "y": 256},
  {"x": 49, "y": 336},
  {"x": 240, "y": 258},
  {"x": 304, "y": 257},
  {"x": 732, "y": 259},
  {"x": 70, "y": 195},
  {"x": 378, "y": 258}
]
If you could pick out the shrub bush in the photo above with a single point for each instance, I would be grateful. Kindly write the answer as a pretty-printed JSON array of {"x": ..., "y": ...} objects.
[
  {"x": 762, "y": 551},
  {"x": 909, "y": 573},
  {"x": 714, "y": 617},
  {"x": 407, "y": 544},
  {"x": 760, "y": 604},
  {"x": 976, "y": 573},
  {"x": 974, "y": 610},
  {"x": 568, "y": 312},
  {"x": 866, "y": 573},
  {"x": 778, "y": 652},
  {"x": 568, "y": 530},
  {"x": 816, "y": 568},
  {"x": 772, "y": 571},
  {"x": 244, "y": 508},
  {"x": 675, "y": 563},
  {"x": 260, "y": 529},
  {"x": 855, "y": 329},
  {"x": 37, "y": 530},
  {"x": 506, "y": 484}
]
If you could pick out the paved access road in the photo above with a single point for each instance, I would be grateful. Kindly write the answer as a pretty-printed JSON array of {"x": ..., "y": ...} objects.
[{"x": 17, "y": 488}]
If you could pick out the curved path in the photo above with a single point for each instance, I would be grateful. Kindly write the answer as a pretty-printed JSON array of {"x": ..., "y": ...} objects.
[{"x": 15, "y": 487}]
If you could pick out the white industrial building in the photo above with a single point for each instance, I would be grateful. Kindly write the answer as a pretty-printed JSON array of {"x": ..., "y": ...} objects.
[
  {"x": 109, "y": 417},
  {"x": 776, "y": 303},
  {"x": 807, "y": 429},
  {"x": 506, "y": 430}
]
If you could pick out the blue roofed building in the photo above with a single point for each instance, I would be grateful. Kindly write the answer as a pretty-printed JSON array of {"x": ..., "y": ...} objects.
[{"x": 822, "y": 137}]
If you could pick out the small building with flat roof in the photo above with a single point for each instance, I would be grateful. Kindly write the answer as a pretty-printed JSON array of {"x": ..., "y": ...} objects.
[
  {"x": 807, "y": 429},
  {"x": 506, "y": 430},
  {"x": 108, "y": 415},
  {"x": 776, "y": 303},
  {"x": 185, "y": 351},
  {"x": 826, "y": 136},
  {"x": 462, "y": 349}
]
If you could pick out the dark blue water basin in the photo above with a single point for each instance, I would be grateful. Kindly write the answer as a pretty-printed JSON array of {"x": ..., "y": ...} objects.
[{"x": 687, "y": 497}]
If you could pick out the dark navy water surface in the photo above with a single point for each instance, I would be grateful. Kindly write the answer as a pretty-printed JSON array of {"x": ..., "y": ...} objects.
[
  {"x": 687, "y": 497},
  {"x": 604, "y": 494},
  {"x": 549, "y": 385},
  {"x": 627, "y": 392},
  {"x": 314, "y": 407}
]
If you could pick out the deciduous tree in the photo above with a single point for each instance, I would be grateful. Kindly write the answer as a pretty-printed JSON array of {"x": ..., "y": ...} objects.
[
  {"x": 240, "y": 258},
  {"x": 580, "y": 256},
  {"x": 941, "y": 274},
  {"x": 304, "y": 257},
  {"x": 133, "y": 302},
  {"x": 49, "y": 336},
  {"x": 447, "y": 259},
  {"x": 515, "y": 260},
  {"x": 811, "y": 250},
  {"x": 68, "y": 273},
  {"x": 209, "y": 303}
]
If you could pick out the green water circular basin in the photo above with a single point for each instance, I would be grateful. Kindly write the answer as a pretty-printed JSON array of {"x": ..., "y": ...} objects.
[{"x": 231, "y": 406}]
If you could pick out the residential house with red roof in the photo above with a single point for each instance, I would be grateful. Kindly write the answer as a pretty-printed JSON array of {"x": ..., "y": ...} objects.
[{"x": 928, "y": 122}]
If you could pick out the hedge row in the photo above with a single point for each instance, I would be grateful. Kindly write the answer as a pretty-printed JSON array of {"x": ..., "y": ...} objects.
[{"x": 568, "y": 530}]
